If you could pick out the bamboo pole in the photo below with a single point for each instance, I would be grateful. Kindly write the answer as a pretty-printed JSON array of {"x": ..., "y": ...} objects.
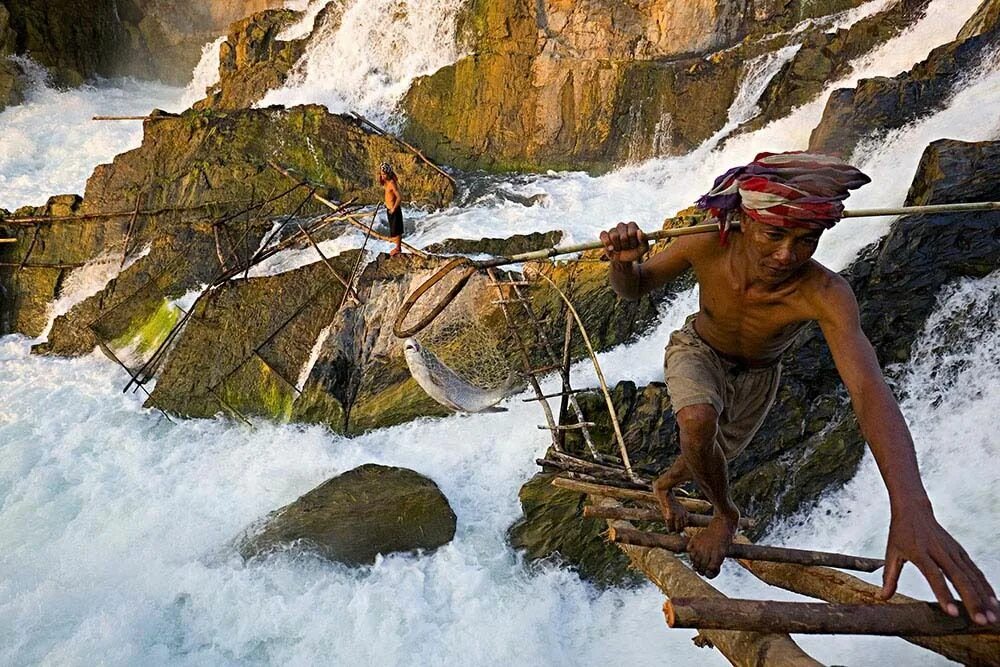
[
  {"x": 692, "y": 504},
  {"x": 835, "y": 586},
  {"x": 744, "y": 649},
  {"x": 33, "y": 219},
  {"x": 914, "y": 618},
  {"x": 643, "y": 514},
  {"x": 660, "y": 234},
  {"x": 416, "y": 151},
  {"x": 326, "y": 202},
  {"x": 679, "y": 543},
  {"x": 36, "y": 265},
  {"x": 6, "y": 240}
]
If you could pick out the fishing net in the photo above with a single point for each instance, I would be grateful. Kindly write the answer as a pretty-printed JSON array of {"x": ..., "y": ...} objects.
[{"x": 458, "y": 318}]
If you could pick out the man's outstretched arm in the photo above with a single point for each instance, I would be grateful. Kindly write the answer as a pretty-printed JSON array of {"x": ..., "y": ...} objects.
[{"x": 914, "y": 533}]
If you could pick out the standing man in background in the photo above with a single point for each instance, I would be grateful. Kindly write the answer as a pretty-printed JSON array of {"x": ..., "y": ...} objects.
[{"x": 393, "y": 206}]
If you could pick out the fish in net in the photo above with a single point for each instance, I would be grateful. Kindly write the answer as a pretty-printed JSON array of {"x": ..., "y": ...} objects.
[{"x": 458, "y": 350}]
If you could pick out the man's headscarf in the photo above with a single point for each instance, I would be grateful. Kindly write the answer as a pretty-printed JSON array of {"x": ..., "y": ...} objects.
[{"x": 793, "y": 189}]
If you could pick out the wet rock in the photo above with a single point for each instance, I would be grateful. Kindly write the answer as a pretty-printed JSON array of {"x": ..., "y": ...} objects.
[
  {"x": 74, "y": 40},
  {"x": 512, "y": 245},
  {"x": 876, "y": 106},
  {"x": 827, "y": 56},
  {"x": 354, "y": 517},
  {"x": 553, "y": 529},
  {"x": 253, "y": 61},
  {"x": 810, "y": 443}
]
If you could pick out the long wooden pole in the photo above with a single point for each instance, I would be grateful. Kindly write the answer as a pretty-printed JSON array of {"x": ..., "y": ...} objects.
[
  {"x": 650, "y": 514},
  {"x": 831, "y": 585},
  {"x": 674, "y": 578},
  {"x": 7, "y": 240},
  {"x": 915, "y": 618},
  {"x": 678, "y": 544},
  {"x": 413, "y": 149},
  {"x": 660, "y": 234}
]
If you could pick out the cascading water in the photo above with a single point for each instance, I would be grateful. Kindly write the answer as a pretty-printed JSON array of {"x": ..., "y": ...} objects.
[
  {"x": 364, "y": 57},
  {"x": 116, "y": 522}
]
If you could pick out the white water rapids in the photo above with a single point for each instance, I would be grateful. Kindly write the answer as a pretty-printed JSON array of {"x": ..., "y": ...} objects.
[{"x": 115, "y": 522}]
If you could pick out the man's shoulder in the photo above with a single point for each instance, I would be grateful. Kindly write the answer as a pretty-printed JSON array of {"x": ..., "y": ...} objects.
[{"x": 827, "y": 291}]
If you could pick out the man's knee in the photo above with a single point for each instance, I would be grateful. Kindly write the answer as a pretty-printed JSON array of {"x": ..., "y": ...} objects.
[{"x": 698, "y": 425}]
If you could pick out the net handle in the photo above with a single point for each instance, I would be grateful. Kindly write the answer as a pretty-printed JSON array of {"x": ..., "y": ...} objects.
[{"x": 397, "y": 326}]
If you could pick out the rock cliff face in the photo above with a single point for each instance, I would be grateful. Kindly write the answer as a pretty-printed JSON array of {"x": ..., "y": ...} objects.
[
  {"x": 571, "y": 85},
  {"x": 252, "y": 61},
  {"x": 76, "y": 40},
  {"x": 883, "y": 104},
  {"x": 810, "y": 442}
]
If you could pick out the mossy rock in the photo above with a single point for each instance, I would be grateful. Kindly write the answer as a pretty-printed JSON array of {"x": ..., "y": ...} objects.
[
  {"x": 553, "y": 527},
  {"x": 354, "y": 517}
]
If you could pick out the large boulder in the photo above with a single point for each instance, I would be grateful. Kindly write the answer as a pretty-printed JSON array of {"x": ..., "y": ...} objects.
[
  {"x": 354, "y": 517},
  {"x": 810, "y": 442}
]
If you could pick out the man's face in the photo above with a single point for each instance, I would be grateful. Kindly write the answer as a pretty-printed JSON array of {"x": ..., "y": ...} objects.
[
  {"x": 779, "y": 252},
  {"x": 381, "y": 178}
]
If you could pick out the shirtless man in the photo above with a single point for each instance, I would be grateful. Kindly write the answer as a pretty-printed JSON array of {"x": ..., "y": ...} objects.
[
  {"x": 393, "y": 206},
  {"x": 757, "y": 289}
]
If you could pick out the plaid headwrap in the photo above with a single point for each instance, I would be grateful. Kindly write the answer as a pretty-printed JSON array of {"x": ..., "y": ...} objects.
[{"x": 793, "y": 189}]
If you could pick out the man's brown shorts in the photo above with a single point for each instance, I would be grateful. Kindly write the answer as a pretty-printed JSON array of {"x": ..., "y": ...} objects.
[{"x": 697, "y": 375}]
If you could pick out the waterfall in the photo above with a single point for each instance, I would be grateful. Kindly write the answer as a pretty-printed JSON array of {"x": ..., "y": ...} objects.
[{"x": 364, "y": 57}]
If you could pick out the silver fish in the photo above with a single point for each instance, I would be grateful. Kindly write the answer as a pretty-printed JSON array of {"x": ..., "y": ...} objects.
[{"x": 444, "y": 386}]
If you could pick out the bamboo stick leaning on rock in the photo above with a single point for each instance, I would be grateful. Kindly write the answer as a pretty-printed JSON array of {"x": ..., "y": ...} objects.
[
  {"x": 831, "y": 585},
  {"x": 678, "y": 544},
  {"x": 674, "y": 578},
  {"x": 360, "y": 225},
  {"x": 692, "y": 504},
  {"x": 413, "y": 149},
  {"x": 914, "y": 618},
  {"x": 643, "y": 514}
]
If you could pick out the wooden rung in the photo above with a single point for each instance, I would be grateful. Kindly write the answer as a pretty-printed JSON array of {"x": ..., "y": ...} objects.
[
  {"x": 6, "y": 240},
  {"x": 925, "y": 619},
  {"x": 557, "y": 394},
  {"x": 567, "y": 427},
  {"x": 643, "y": 514},
  {"x": 678, "y": 544},
  {"x": 692, "y": 504}
]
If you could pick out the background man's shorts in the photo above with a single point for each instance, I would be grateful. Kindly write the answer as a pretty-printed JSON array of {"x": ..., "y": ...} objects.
[
  {"x": 395, "y": 220},
  {"x": 696, "y": 374}
]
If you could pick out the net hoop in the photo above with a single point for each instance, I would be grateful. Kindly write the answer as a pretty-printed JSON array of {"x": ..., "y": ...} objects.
[{"x": 398, "y": 329}]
